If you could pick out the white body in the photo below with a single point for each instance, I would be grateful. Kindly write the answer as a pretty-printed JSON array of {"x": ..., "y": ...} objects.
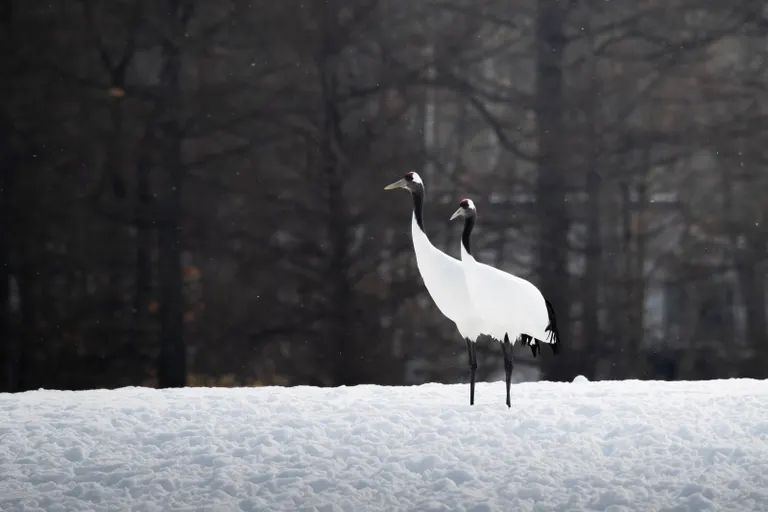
[
  {"x": 506, "y": 304},
  {"x": 443, "y": 276}
]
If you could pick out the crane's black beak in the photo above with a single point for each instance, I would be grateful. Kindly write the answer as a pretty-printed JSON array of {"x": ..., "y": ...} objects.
[
  {"x": 458, "y": 213},
  {"x": 398, "y": 184}
]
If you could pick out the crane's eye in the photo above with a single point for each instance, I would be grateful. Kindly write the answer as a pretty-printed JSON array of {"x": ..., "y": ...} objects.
[
  {"x": 409, "y": 176},
  {"x": 464, "y": 203}
]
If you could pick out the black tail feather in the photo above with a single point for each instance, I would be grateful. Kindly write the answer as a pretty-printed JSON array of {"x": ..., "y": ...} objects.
[
  {"x": 532, "y": 342},
  {"x": 553, "y": 334}
]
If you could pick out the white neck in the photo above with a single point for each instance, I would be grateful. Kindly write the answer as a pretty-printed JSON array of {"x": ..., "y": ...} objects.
[{"x": 465, "y": 256}]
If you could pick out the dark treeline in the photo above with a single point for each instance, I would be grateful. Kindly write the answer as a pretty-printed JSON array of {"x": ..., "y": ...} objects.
[{"x": 191, "y": 193}]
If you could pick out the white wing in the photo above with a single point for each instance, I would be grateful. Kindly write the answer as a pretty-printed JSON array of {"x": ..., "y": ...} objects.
[{"x": 507, "y": 302}]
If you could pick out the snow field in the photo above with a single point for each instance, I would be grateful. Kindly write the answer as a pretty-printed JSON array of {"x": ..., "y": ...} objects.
[{"x": 582, "y": 446}]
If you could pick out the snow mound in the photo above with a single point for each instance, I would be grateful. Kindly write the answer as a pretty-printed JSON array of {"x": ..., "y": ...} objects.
[{"x": 614, "y": 446}]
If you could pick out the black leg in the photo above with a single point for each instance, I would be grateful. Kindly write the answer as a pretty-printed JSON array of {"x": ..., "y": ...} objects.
[
  {"x": 506, "y": 349},
  {"x": 472, "y": 370}
]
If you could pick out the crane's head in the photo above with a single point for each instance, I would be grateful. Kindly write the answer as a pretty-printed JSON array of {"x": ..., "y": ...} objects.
[
  {"x": 411, "y": 182},
  {"x": 466, "y": 209}
]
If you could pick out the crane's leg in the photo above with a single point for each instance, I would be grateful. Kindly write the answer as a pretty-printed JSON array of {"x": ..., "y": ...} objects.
[
  {"x": 506, "y": 349},
  {"x": 472, "y": 370}
]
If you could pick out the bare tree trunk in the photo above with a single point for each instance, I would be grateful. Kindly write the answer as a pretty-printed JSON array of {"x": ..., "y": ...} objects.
[
  {"x": 551, "y": 186},
  {"x": 347, "y": 360},
  {"x": 343, "y": 322},
  {"x": 625, "y": 331},
  {"x": 594, "y": 249},
  {"x": 5, "y": 289},
  {"x": 752, "y": 284},
  {"x": 750, "y": 247},
  {"x": 172, "y": 362},
  {"x": 8, "y": 163},
  {"x": 144, "y": 230},
  {"x": 6, "y": 12},
  {"x": 116, "y": 65},
  {"x": 637, "y": 298},
  {"x": 26, "y": 377},
  {"x": 593, "y": 267},
  {"x": 111, "y": 329},
  {"x": 172, "y": 359}
]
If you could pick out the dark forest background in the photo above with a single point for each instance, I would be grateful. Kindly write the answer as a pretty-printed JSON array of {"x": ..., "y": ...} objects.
[{"x": 191, "y": 192}]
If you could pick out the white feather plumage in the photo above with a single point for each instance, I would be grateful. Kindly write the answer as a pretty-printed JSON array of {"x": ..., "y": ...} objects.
[
  {"x": 443, "y": 276},
  {"x": 506, "y": 304}
]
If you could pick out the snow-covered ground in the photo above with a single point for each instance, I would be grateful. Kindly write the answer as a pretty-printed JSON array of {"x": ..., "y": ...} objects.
[{"x": 639, "y": 446}]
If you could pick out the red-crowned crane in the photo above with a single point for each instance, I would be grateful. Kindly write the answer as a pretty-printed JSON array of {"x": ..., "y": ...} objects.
[
  {"x": 443, "y": 276},
  {"x": 510, "y": 307}
]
